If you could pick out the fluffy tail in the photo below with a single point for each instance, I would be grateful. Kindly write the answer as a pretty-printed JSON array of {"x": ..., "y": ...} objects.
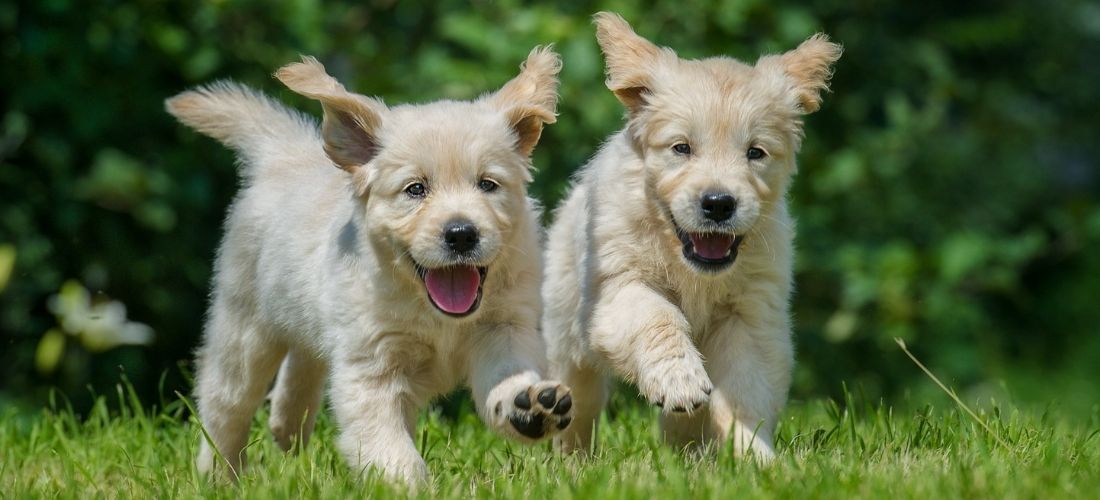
[{"x": 245, "y": 120}]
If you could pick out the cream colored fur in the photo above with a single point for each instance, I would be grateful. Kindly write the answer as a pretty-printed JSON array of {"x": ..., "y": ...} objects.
[
  {"x": 316, "y": 276},
  {"x": 712, "y": 347}
]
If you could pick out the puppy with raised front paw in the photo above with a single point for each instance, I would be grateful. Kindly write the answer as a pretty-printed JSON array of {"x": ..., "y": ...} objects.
[
  {"x": 669, "y": 264},
  {"x": 391, "y": 253}
]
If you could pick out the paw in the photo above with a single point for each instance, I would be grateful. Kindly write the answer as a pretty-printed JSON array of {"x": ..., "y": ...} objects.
[
  {"x": 679, "y": 385},
  {"x": 764, "y": 455},
  {"x": 752, "y": 443},
  {"x": 411, "y": 473},
  {"x": 393, "y": 458},
  {"x": 539, "y": 410}
]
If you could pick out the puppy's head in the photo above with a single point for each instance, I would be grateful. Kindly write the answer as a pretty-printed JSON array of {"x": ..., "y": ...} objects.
[
  {"x": 442, "y": 185},
  {"x": 718, "y": 137}
]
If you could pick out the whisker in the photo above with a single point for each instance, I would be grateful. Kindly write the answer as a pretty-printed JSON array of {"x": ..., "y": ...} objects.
[
  {"x": 760, "y": 235},
  {"x": 516, "y": 248},
  {"x": 397, "y": 263},
  {"x": 785, "y": 224}
]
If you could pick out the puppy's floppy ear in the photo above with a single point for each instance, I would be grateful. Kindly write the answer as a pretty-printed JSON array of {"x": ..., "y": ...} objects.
[
  {"x": 351, "y": 122},
  {"x": 530, "y": 100},
  {"x": 630, "y": 59},
  {"x": 809, "y": 68}
]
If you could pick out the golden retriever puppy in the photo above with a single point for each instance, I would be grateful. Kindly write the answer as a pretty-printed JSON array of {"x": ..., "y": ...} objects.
[
  {"x": 669, "y": 264},
  {"x": 393, "y": 251}
]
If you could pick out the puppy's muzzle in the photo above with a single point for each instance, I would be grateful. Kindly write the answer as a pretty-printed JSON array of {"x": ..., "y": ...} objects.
[
  {"x": 712, "y": 249},
  {"x": 455, "y": 288}
]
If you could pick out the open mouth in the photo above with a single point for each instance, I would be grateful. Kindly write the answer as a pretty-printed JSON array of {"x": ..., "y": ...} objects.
[
  {"x": 454, "y": 290},
  {"x": 710, "y": 251}
]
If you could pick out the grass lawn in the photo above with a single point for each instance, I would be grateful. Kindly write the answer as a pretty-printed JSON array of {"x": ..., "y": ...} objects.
[{"x": 824, "y": 451}]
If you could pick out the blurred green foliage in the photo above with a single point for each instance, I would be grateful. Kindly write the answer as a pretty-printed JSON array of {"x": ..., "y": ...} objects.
[{"x": 947, "y": 192}]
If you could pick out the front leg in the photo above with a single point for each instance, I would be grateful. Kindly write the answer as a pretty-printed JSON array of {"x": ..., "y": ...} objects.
[
  {"x": 376, "y": 412},
  {"x": 751, "y": 361},
  {"x": 511, "y": 396},
  {"x": 647, "y": 340}
]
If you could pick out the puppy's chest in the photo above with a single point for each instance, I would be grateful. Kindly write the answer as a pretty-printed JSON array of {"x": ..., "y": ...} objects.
[
  {"x": 707, "y": 308},
  {"x": 434, "y": 360}
]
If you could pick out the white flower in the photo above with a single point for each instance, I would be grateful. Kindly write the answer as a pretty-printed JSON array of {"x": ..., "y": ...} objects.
[{"x": 99, "y": 326}]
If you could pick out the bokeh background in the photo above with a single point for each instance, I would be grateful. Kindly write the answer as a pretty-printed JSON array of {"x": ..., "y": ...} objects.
[{"x": 947, "y": 193}]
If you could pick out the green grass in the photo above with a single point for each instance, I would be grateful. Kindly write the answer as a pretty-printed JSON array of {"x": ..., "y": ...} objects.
[{"x": 826, "y": 450}]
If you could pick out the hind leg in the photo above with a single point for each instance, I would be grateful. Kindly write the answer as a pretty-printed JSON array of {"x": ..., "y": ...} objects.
[
  {"x": 236, "y": 364},
  {"x": 296, "y": 399},
  {"x": 590, "y": 393}
]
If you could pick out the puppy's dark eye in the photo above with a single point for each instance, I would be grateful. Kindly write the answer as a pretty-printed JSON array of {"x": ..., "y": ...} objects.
[
  {"x": 416, "y": 190},
  {"x": 755, "y": 153},
  {"x": 682, "y": 148},
  {"x": 487, "y": 185}
]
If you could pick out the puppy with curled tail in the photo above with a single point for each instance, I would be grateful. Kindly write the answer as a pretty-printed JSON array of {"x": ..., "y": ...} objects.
[{"x": 390, "y": 253}]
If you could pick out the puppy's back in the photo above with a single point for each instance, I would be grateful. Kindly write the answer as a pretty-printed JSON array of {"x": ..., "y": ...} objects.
[{"x": 247, "y": 121}]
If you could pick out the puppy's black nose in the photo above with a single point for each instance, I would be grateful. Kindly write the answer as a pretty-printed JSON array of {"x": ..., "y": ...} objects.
[
  {"x": 460, "y": 236},
  {"x": 718, "y": 206}
]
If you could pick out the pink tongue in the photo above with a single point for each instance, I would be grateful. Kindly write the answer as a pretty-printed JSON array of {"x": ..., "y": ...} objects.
[
  {"x": 453, "y": 289},
  {"x": 711, "y": 246}
]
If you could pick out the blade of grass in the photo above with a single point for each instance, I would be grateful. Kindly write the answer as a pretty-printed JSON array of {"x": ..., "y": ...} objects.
[
  {"x": 207, "y": 437},
  {"x": 953, "y": 396}
]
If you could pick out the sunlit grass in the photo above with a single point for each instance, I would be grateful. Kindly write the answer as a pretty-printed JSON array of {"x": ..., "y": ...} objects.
[{"x": 827, "y": 449}]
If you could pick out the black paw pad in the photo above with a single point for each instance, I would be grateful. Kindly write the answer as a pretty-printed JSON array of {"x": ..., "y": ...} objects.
[
  {"x": 564, "y": 423},
  {"x": 529, "y": 425},
  {"x": 564, "y": 404},
  {"x": 547, "y": 397},
  {"x": 523, "y": 400}
]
